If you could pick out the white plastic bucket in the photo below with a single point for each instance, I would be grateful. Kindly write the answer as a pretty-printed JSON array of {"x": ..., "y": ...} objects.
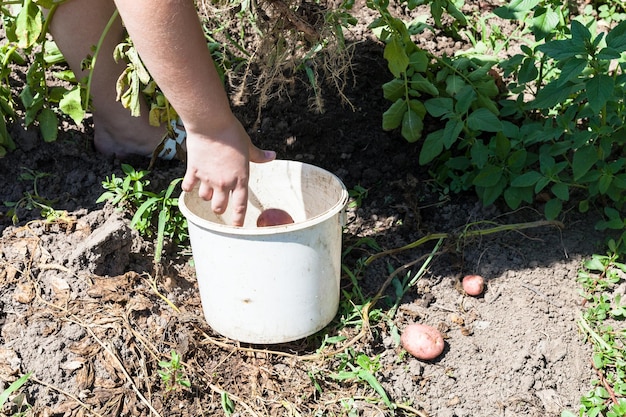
[{"x": 271, "y": 284}]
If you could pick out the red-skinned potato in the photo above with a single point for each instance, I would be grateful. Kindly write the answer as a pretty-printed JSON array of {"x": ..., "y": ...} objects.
[
  {"x": 273, "y": 217},
  {"x": 473, "y": 285},
  {"x": 422, "y": 341}
]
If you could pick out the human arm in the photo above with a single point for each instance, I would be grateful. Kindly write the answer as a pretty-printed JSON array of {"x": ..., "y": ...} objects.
[{"x": 169, "y": 39}]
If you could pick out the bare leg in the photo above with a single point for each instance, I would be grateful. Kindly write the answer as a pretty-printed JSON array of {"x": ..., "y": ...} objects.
[{"x": 76, "y": 27}]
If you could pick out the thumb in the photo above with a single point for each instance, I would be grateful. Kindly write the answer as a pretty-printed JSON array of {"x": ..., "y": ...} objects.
[{"x": 260, "y": 155}]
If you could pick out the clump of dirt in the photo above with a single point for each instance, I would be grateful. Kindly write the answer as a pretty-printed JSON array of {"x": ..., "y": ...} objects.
[{"x": 83, "y": 309}]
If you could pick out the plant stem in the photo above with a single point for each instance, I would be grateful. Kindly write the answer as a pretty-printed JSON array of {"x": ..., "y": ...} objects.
[
  {"x": 106, "y": 30},
  {"x": 466, "y": 233}
]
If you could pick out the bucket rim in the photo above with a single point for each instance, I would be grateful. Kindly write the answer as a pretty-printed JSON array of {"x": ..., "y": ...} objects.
[{"x": 268, "y": 230}]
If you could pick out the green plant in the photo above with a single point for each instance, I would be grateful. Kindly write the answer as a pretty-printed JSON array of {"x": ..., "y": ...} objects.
[
  {"x": 604, "y": 310},
  {"x": 357, "y": 194},
  {"x": 170, "y": 222},
  {"x": 154, "y": 214},
  {"x": 125, "y": 191},
  {"x": 19, "y": 400},
  {"x": 31, "y": 199},
  {"x": 556, "y": 128},
  {"x": 172, "y": 373},
  {"x": 362, "y": 368},
  {"x": 26, "y": 30}
]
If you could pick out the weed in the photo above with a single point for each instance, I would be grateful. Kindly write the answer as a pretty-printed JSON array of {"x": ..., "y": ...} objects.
[
  {"x": 227, "y": 404},
  {"x": 357, "y": 195},
  {"x": 128, "y": 190},
  {"x": 598, "y": 277},
  {"x": 19, "y": 400},
  {"x": 154, "y": 214},
  {"x": 362, "y": 368},
  {"x": 31, "y": 200},
  {"x": 172, "y": 373}
]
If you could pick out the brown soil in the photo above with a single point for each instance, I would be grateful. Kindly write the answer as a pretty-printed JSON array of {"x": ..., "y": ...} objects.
[{"x": 80, "y": 308}]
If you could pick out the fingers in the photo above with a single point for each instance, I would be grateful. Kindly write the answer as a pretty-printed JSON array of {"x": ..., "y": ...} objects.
[
  {"x": 224, "y": 182},
  {"x": 189, "y": 181},
  {"x": 239, "y": 202},
  {"x": 221, "y": 196}
]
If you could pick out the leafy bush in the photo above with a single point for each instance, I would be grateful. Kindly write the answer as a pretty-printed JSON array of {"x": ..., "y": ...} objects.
[
  {"x": 26, "y": 44},
  {"x": 556, "y": 129}
]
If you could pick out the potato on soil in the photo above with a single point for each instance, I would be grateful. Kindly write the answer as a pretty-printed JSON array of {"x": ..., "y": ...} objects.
[
  {"x": 473, "y": 285},
  {"x": 422, "y": 341},
  {"x": 273, "y": 217}
]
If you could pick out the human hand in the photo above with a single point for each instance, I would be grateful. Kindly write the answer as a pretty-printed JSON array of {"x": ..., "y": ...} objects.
[{"x": 221, "y": 164}]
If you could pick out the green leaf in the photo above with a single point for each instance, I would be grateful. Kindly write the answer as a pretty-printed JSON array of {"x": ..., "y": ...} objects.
[
  {"x": 552, "y": 94},
  {"x": 479, "y": 154},
  {"x": 526, "y": 179},
  {"x": 394, "y": 89},
  {"x": 418, "y": 107},
  {"x": 503, "y": 146},
  {"x": 604, "y": 182},
  {"x": 488, "y": 177},
  {"x": 490, "y": 194},
  {"x": 432, "y": 147},
  {"x": 439, "y": 106},
  {"x": 454, "y": 84},
  {"x": 513, "y": 196},
  {"x": 451, "y": 132},
  {"x": 396, "y": 57},
  {"x": 608, "y": 54},
  {"x": 580, "y": 33},
  {"x": 553, "y": 208},
  {"x": 6, "y": 141},
  {"x": 487, "y": 103},
  {"x": 71, "y": 105},
  {"x": 572, "y": 68},
  {"x": 48, "y": 124},
  {"x": 562, "y": 49},
  {"x": 464, "y": 99},
  {"x": 561, "y": 191},
  {"x": 412, "y": 126},
  {"x": 392, "y": 118},
  {"x": 614, "y": 221},
  {"x": 544, "y": 23},
  {"x": 28, "y": 25},
  {"x": 368, "y": 377},
  {"x": 517, "y": 160},
  {"x": 527, "y": 71},
  {"x": 484, "y": 120},
  {"x": 599, "y": 91},
  {"x": 419, "y": 61},
  {"x": 584, "y": 158},
  {"x": 421, "y": 83},
  {"x": 616, "y": 38},
  {"x": 516, "y": 9},
  {"x": 15, "y": 385}
]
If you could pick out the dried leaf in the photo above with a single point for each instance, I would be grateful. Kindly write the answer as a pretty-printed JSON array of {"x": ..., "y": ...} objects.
[
  {"x": 85, "y": 348},
  {"x": 72, "y": 365},
  {"x": 24, "y": 292},
  {"x": 85, "y": 377},
  {"x": 116, "y": 289},
  {"x": 140, "y": 303},
  {"x": 9, "y": 364}
]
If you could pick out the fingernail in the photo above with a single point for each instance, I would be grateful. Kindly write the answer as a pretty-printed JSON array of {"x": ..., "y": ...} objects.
[{"x": 269, "y": 154}]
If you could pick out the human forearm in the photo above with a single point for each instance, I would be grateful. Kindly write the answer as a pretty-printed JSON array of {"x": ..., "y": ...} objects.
[{"x": 169, "y": 39}]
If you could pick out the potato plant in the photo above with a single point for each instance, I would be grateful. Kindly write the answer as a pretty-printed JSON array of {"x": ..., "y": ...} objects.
[
  {"x": 26, "y": 44},
  {"x": 556, "y": 127}
]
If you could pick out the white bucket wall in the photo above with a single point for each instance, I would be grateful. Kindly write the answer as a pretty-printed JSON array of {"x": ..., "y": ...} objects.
[{"x": 271, "y": 284}]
